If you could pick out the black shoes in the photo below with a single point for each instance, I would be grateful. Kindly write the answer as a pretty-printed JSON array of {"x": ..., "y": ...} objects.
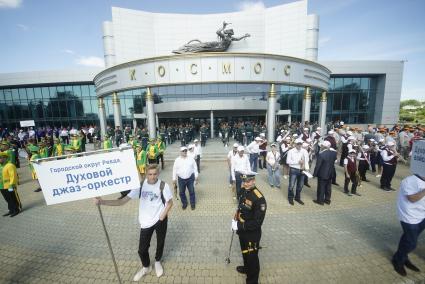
[
  {"x": 348, "y": 193},
  {"x": 411, "y": 266},
  {"x": 241, "y": 269},
  {"x": 399, "y": 268},
  {"x": 291, "y": 201},
  {"x": 356, "y": 193},
  {"x": 307, "y": 185},
  {"x": 318, "y": 202},
  {"x": 15, "y": 213},
  {"x": 335, "y": 183},
  {"x": 7, "y": 214},
  {"x": 299, "y": 201},
  {"x": 184, "y": 207},
  {"x": 328, "y": 202},
  {"x": 192, "y": 207},
  {"x": 365, "y": 180},
  {"x": 37, "y": 190}
]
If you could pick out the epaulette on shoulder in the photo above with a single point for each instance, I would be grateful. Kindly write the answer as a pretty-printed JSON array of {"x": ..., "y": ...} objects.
[{"x": 257, "y": 193}]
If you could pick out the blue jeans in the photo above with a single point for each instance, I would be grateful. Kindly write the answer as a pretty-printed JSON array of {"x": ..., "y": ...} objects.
[
  {"x": 273, "y": 175},
  {"x": 408, "y": 241},
  {"x": 253, "y": 161},
  {"x": 295, "y": 176},
  {"x": 183, "y": 183}
]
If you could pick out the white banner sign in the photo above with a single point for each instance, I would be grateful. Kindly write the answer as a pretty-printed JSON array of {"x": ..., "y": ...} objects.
[
  {"x": 417, "y": 161},
  {"x": 89, "y": 176},
  {"x": 27, "y": 123}
]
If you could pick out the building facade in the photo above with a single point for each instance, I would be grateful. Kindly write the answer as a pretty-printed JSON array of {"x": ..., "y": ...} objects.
[{"x": 274, "y": 71}]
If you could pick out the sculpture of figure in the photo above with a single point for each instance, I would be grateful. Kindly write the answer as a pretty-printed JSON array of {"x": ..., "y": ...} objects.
[{"x": 225, "y": 39}]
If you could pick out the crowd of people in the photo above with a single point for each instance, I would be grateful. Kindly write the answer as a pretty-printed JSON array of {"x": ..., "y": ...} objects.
[{"x": 361, "y": 153}]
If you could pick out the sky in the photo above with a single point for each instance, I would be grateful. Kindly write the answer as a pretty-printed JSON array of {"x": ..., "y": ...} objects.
[{"x": 67, "y": 34}]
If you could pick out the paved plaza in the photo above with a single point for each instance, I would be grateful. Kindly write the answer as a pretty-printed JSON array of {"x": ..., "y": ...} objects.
[{"x": 350, "y": 241}]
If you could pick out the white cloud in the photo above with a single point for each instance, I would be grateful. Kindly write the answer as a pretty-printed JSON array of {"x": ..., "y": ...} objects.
[
  {"x": 22, "y": 27},
  {"x": 324, "y": 40},
  {"x": 92, "y": 61},
  {"x": 250, "y": 6},
  {"x": 69, "y": 51},
  {"x": 10, "y": 3}
]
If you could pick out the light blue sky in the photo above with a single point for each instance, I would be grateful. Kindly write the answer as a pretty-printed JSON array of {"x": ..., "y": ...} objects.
[{"x": 64, "y": 34}]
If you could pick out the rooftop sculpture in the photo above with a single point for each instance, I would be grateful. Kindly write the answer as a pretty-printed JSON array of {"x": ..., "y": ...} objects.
[{"x": 225, "y": 39}]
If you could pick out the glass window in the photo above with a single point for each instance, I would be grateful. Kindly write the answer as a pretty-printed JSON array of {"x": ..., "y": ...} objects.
[
  {"x": 53, "y": 92},
  {"x": 87, "y": 107},
  {"x": 76, "y": 89},
  {"x": 92, "y": 91},
  {"x": 45, "y": 91},
  {"x": 1, "y": 95},
  {"x": 356, "y": 83},
  {"x": 15, "y": 95},
  {"x": 30, "y": 93},
  {"x": 85, "y": 90},
  {"x": 345, "y": 104},
  {"x": 364, "y": 83},
  {"x": 22, "y": 95},
  {"x": 338, "y": 83},
  {"x": 8, "y": 94},
  {"x": 337, "y": 100},
  {"x": 364, "y": 101},
  {"x": 348, "y": 82}
]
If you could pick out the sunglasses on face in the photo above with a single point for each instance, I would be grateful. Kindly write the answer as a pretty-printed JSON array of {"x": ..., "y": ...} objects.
[{"x": 184, "y": 151}]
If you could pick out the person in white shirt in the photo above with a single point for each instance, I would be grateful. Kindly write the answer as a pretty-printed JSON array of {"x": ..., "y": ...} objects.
[
  {"x": 240, "y": 166},
  {"x": 284, "y": 148},
  {"x": 155, "y": 203},
  {"x": 198, "y": 154},
  {"x": 185, "y": 174},
  {"x": 297, "y": 160},
  {"x": 254, "y": 151},
  {"x": 64, "y": 135},
  {"x": 411, "y": 213},
  {"x": 273, "y": 158},
  {"x": 230, "y": 155},
  {"x": 191, "y": 151}
]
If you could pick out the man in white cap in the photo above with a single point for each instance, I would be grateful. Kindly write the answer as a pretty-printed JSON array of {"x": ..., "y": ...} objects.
[
  {"x": 297, "y": 160},
  {"x": 284, "y": 148},
  {"x": 254, "y": 151},
  {"x": 185, "y": 173},
  {"x": 364, "y": 161},
  {"x": 273, "y": 171},
  {"x": 191, "y": 151},
  {"x": 389, "y": 157},
  {"x": 230, "y": 156},
  {"x": 240, "y": 166},
  {"x": 324, "y": 171},
  {"x": 198, "y": 154}
]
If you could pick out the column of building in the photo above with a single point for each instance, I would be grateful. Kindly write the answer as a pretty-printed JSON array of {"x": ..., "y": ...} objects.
[
  {"x": 117, "y": 110},
  {"x": 212, "y": 123},
  {"x": 306, "y": 105},
  {"x": 102, "y": 116},
  {"x": 150, "y": 113},
  {"x": 322, "y": 113},
  {"x": 271, "y": 114}
]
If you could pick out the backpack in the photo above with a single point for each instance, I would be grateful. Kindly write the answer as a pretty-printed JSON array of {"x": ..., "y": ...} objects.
[{"x": 161, "y": 189}]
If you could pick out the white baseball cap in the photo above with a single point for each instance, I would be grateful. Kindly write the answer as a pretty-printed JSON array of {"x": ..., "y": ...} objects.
[
  {"x": 183, "y": 148},
  {"x": 299, "y": 141},
  {"x": 241, "y": 148},
  {"x": 326, "y": 144},
  {"x": 366, "y": 147},
  {"x": 235, "y": 145},
  {"x": 258, "y": 138}
]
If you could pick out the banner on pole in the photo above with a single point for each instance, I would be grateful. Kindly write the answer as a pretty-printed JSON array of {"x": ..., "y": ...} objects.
[
  {"x": 26, "y": 123},
  {"x": 417, "y": 161},
  {"x": 88, "y": 176}
]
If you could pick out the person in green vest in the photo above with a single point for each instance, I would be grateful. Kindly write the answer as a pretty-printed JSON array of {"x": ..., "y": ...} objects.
[
  {"x": 35, "y": 155},
  {"x": 107, "y": 143},
  {"x": 75, "y": 142},
  {"x": 5, "y": 147},
  {"x": 161, "y": 150},
  {"x": 152, "y": 151},
  {"x": 10, "y": 184},
  {"x": 141, "y": 160},
  {"x": 58, "y": 148},
  {"x": 42, "y": 149},
  {"x": 132, "y": 142}
]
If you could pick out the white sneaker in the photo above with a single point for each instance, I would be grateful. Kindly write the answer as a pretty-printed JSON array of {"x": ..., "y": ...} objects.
[
  {"x": 378, "y": 176},
  {"x": 158, "y": 269},
  {"x": 143, "y": 271}
]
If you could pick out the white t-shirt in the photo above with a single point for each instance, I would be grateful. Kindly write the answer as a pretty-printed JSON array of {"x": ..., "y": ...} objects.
[
  {"x": 411, "y": 212},
  {"x": 150, "y": 205}
]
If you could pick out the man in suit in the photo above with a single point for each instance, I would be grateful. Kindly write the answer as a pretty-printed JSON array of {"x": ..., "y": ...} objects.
[{"x": 325, "y": 167}]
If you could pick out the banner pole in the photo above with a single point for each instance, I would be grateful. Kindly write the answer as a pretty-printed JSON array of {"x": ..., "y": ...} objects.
[{"x": 109, "y": 244}]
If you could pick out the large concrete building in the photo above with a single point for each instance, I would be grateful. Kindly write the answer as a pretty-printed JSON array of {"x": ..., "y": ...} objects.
[{"x": 274, "y": 71}]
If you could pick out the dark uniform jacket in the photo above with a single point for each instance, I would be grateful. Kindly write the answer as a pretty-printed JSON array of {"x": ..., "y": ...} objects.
[
  {"x": 325, "y": 164},
  {"x": 251, "y": 211}
]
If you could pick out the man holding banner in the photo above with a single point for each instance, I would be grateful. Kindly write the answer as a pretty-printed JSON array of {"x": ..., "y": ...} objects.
[
  {"x": 155, "y": 203},
  {"x": 9, "y": 190}
]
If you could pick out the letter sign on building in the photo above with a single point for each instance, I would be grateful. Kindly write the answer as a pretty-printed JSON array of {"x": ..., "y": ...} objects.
[
  {"x": 161, "y": 71},
  {"x": 226, "y": 68},
  {"x": 287, "y": 70},
  {"x": 132, "y": 74},
  {"x": 257, "y": 68},
  {"x": 194, "y": 69}
]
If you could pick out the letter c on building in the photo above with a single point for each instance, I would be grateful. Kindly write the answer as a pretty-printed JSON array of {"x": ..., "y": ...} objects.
[{"x": 194, "y": 69}]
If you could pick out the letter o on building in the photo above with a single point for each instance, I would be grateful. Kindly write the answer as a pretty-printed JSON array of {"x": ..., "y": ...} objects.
[
  {"x": 161, "y": 71},
  {"x": 257, "y": 68},
  {"x": 287, "y": 70}
]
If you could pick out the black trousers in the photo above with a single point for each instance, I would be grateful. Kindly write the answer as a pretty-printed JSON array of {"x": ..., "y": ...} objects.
[
  {"x": 152, "y": 161},
  {"x": 363, "y": 167},
  {"x": 250, "y": 243},
  {"x": 198, "y": 163},
  {"x": 324, "y": 189},
  {"x": 388, "y": 172},
  {"x": 13, "y": 201},
  {"x": 160, "y": 229},
  {"x": 352, "y": 178},
  {"x": 160, "y": 157}
]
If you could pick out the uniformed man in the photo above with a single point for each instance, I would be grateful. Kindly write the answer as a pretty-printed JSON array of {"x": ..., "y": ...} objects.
[
  {"x": 247, "y": 224},
  {"x": 5, "y": 147},
  {"x": 9, "y": 188},
  {"x": 107, "y": 143},
  {"x": 161, "y": 150},
  {"x": 141, "y": 160},
  {"x": 152, "y": 151},
  {"x": 58, "y": 148}
]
